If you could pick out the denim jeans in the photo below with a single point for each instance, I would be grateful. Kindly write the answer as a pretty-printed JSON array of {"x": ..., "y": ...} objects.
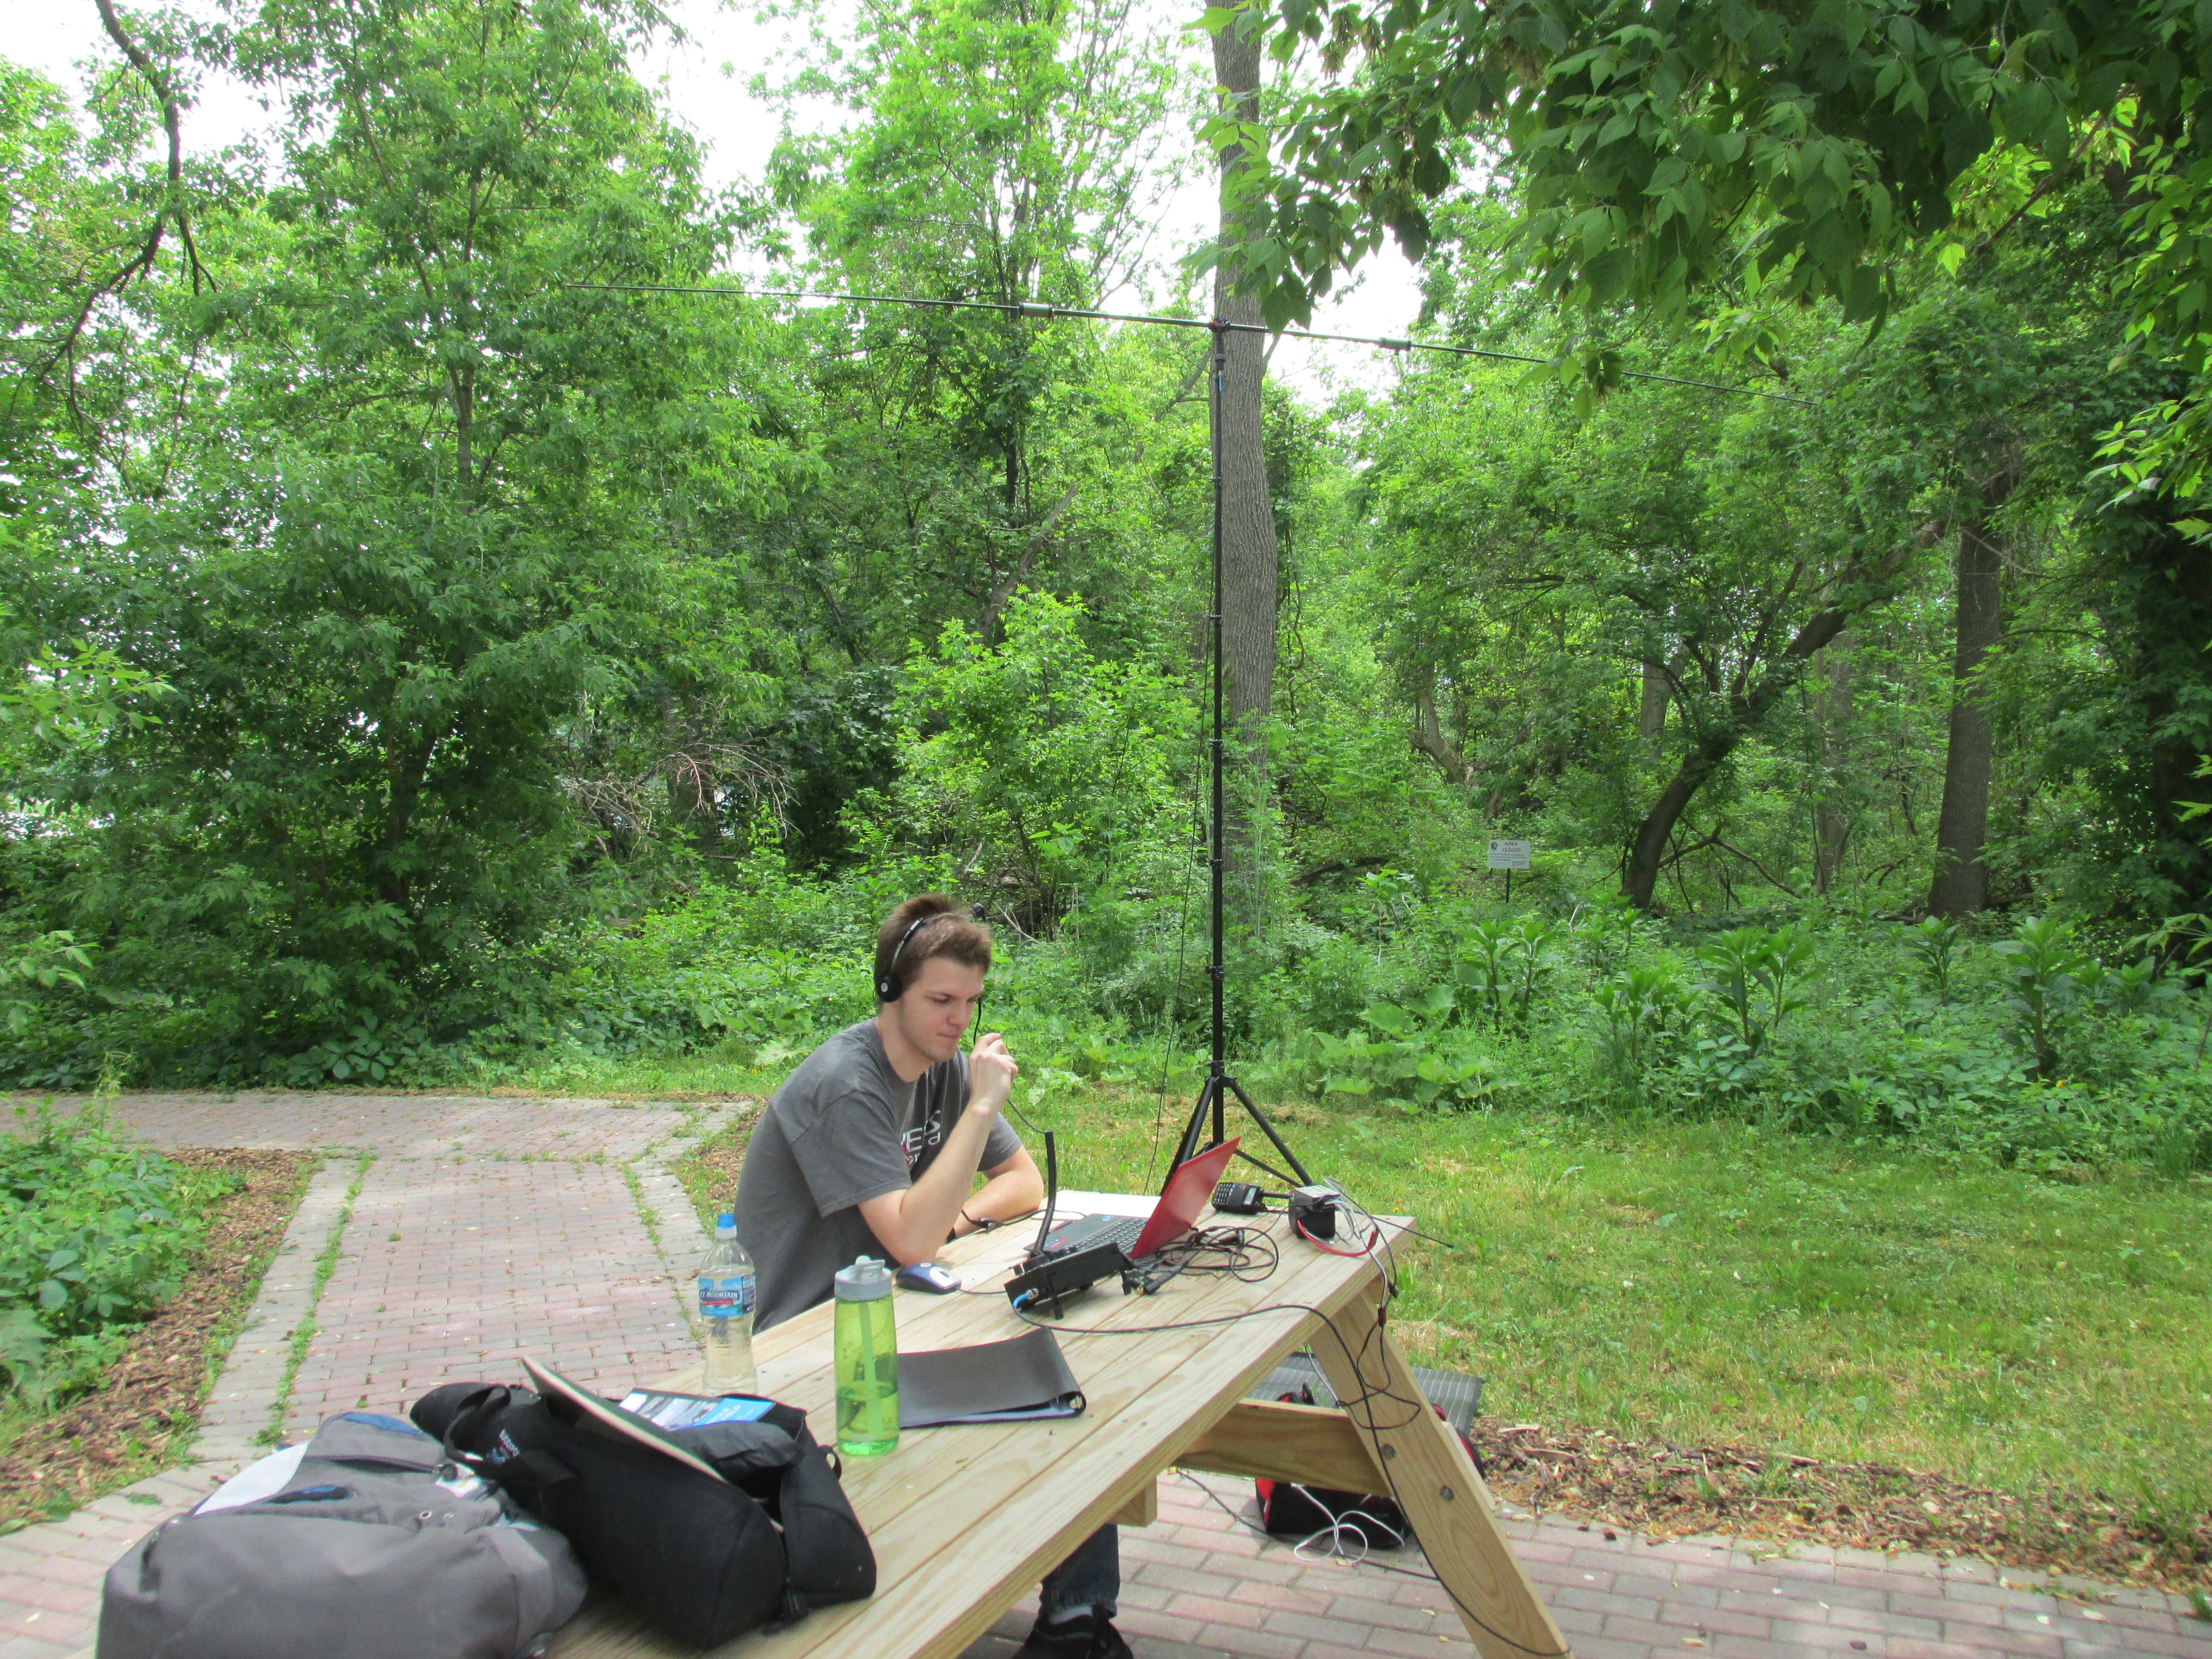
[{"x": 1090, "y": 1577}]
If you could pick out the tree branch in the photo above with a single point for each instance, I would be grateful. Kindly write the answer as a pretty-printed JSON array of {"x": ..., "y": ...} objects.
[
  {"x": 1004, "y": 592},
  {"x": 172, "y": 206},
  {"x": 1738, "y": 852}
]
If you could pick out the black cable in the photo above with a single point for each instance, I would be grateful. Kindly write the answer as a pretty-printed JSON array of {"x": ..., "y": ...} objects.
[
  {"x": 1174, "y": 991},
  {"x": 991, "y": 1224},
  {"x": 1368, "y": 1395},
  {"x": 1251, "y": 1254},
  {"x": 1051, "y": 314},
  {"x": 1032, "y": 1123},
  {"x": 1390, "y": 1245},
  {"x": 975, "y": 1033},
  {"x": 1441, "y": 1243}
]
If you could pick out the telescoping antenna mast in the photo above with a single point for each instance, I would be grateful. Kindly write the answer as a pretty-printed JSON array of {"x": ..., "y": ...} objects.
[{"x": 1212, "y": 1107}]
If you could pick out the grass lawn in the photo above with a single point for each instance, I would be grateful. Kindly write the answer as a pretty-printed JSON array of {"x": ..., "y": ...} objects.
[{"x": 1714, "y": 1284}]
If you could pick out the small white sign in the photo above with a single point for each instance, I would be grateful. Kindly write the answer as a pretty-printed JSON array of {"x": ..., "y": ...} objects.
[{"x": 1510, "y": 855}]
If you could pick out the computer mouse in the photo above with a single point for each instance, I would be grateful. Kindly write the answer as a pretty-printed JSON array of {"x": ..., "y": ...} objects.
[{"x": 927, "y": 1276}]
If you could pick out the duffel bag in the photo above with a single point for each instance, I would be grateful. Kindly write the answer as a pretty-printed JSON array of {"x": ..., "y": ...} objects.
[{"x": 352, "y": 1547}]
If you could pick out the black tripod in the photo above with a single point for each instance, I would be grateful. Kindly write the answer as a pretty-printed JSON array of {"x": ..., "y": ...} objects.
[{"x": 1214, "y": 1097}]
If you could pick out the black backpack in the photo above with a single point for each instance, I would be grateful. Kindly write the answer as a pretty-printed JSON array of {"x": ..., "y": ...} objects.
[
  {"x": 1288, "y": 1509},
  {"x": 707, "y": 1560}
]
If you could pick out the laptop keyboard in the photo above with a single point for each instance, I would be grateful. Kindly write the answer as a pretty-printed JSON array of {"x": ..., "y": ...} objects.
[{"x": 1124, "y": 1232}]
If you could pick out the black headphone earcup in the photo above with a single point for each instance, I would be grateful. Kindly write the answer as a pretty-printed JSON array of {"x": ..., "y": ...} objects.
[{"x": 888, "y": 988}]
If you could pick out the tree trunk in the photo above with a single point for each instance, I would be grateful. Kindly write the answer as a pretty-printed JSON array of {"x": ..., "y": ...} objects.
[
  {"x": 994, "y": 612},
  {"x": 1831, "y": 829},
  {"x": 1718, "y": 740},
  {"x": 1658, "y": 825},
  {"x": 1961, "y": 886},
  {"x": 1249, "y": 595},
  {"x": 1429, "y": 735},
  {"x": 1652, "y": 712}
]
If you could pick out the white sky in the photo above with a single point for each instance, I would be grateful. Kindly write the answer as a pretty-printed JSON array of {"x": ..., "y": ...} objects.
[{"x": 738, "y": 132}]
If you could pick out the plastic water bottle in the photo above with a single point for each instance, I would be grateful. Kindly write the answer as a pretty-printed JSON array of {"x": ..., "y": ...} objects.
[
  {"x": 867, "y": 1360},
  {"x": 727, "y": 1291}
]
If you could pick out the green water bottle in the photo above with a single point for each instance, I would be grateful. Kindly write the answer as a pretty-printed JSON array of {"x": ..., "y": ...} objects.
[{"x": 867, "y": 1361}]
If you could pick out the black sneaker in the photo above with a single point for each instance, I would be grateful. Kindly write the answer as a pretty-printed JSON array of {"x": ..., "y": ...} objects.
[{"x": 1087, "y": 1635}]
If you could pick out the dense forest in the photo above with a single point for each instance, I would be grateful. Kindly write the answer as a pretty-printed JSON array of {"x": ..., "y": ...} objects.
[{"x": 455, "y": 632}]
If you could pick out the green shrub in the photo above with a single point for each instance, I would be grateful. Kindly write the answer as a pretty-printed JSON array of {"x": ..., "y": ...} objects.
[
  {"x": 1501, "y": 970},
  {"x": 2050, "y": 978},
  {"x": 700, "y": 975},
  {"x": 1935, "y": 944},
  {"x": 89, "y": 1236},
  {"x": 1642, "y": 1006},
  {"x": 1757, "y": 976},
  {"x": 1411, "y": 1053},
  {"x": 93, "y": 1239}
]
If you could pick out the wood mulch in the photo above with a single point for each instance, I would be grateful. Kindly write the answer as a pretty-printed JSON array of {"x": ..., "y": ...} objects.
[
  {"x": 1667, "y": 1490},
  {"x": 146, "y": 1410}
]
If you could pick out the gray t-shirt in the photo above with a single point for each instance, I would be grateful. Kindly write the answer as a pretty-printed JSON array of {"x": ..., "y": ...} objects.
[{"x": 844, "y": 1128}]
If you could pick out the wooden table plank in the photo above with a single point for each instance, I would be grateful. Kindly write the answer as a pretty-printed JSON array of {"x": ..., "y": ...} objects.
[
  {"x": 1269, "y": 1440},
  {"x": 1141, "y": 1510}
]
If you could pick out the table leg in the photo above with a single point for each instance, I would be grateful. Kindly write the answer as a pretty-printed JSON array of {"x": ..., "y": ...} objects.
[{"x": 1434, "y": 1483}]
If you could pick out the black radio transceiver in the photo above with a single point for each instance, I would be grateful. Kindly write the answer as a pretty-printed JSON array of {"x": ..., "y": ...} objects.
[
  {"x": 1052, "y": 1278},
  {"x": 1239, "y": 1198}
]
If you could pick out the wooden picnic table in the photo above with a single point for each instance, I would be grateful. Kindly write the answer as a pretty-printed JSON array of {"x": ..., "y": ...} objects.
[{"x": 964, "y": 1520}]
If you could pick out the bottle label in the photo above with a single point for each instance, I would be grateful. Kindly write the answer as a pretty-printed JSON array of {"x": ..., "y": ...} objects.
[{"x": 726, "y": 1297}]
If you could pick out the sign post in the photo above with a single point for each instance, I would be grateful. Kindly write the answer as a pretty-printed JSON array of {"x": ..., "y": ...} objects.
[{"x": 1508, "y": 856}]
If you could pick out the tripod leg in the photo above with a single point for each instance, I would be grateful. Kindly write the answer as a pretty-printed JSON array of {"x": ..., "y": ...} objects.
[
  {"x": 1261, "y": 1118},
  {"x": 1214, "y": 1097},
  {"x": 1193, "y": 1132}
]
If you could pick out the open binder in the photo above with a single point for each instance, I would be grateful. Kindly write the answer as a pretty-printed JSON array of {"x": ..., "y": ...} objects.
[
  {"x": 1010, "y": 1381},
  {"x": 580, "y": 1408}
]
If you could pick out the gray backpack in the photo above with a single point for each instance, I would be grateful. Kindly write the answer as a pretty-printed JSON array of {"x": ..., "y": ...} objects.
[{"x": 351, "y": 1547}]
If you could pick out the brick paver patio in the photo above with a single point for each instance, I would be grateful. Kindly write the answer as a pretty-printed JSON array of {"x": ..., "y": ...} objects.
[{"x": 469, "y": 1230}]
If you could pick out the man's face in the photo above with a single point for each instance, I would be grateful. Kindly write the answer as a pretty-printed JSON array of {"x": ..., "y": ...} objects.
[{"x": 939, "y": 1001}]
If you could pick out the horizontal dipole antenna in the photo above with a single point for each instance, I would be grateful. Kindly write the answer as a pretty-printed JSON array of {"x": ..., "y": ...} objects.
[{"x": 1049, "y": 313}]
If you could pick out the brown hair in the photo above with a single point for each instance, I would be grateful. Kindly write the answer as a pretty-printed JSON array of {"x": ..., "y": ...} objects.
[{"x": 947, "y": 931}]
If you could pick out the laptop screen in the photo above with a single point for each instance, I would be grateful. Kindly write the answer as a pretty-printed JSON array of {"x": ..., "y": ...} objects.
[{"x": 1189, "y": 1190}]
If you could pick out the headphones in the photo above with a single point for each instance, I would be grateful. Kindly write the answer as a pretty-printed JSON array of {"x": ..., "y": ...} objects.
[{"x": 888, "y": 988}]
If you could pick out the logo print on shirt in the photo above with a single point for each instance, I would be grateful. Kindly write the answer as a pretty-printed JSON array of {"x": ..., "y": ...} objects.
[{"x": 920, "y": 1138}]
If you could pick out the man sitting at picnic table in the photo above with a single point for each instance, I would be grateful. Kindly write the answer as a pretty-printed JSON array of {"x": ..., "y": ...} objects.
[{"x": 873, "y": 1147}]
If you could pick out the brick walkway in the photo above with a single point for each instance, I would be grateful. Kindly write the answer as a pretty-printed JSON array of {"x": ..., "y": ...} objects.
[{"x": 469, "y": 1230}]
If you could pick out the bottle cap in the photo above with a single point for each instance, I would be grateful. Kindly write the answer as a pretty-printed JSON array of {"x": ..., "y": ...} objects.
[
  {"x": 866, "y": 1280},
  {"x": 725, "y": 1225}
]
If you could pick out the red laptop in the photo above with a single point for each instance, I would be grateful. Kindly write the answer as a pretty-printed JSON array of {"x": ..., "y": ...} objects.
[{"x": 1189, "y": 1191}]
